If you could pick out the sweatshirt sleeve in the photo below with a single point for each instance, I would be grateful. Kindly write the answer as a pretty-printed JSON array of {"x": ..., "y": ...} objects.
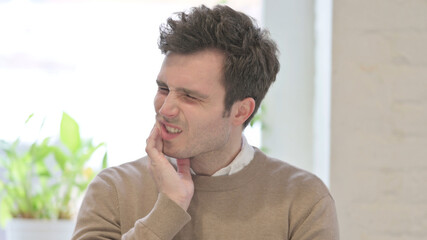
[
  {"x": 320, "y": 224},
  {"x": 165, "y": 213},
  {"x": 99, "y": 216}
]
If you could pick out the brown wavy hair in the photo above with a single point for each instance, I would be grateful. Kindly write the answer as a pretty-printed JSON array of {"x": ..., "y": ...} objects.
[{"x": 251, "y": 56}]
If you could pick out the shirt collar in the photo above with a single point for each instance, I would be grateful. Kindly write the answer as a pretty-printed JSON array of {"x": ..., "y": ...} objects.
[{"x": 242, "y": 159}]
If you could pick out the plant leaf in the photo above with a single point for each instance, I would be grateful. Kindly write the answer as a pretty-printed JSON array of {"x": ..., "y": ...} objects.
[
  {"x": 29, "y": 117},
  {"x": 4, "y": 212},
  {"x": 60, "y": 157},
  {"x": 105, "y": 161},
  {"x": 70, "y": 134}
]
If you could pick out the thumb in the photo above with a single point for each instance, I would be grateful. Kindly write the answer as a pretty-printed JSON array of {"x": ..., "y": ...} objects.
[{"x": 183, "y": 167}]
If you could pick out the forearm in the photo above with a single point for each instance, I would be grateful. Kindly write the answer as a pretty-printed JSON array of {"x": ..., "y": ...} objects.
[
  {"x": 164, "y": 221},
  {"x": 100, "y": 216}
]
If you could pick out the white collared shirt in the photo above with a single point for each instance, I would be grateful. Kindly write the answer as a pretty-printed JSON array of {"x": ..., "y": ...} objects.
[{"x": 242, "y": 159}]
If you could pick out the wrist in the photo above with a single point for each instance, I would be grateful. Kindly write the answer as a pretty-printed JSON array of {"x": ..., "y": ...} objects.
[{"x": 182, "y": 201}]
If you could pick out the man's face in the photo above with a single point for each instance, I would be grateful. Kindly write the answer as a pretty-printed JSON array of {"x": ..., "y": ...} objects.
[{"x": 190, "y": 104}]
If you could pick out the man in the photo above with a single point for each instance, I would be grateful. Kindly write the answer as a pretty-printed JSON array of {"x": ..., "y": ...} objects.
[{"x": 201, "y": 179}]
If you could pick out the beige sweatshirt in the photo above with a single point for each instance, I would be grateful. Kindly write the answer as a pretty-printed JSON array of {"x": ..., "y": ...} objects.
[{"x": 268, "y": 199}]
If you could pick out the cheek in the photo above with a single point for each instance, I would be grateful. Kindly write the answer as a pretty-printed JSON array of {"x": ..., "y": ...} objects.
[{"x": 158, "y": 101}]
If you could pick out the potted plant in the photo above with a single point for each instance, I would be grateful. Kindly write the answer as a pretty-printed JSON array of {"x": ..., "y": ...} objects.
[{"x": 42, "y": 183}]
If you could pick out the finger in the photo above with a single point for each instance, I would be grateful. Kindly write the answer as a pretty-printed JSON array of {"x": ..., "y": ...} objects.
[
  {"x": 158, "y": 137},
  {"x": 154, "y": 147},
  {"x": 183, "y": 167},
  {"x": 154, "y": 141}
]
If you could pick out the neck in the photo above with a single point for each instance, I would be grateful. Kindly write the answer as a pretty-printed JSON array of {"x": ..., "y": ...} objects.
[{"x": 211, "y": 162}]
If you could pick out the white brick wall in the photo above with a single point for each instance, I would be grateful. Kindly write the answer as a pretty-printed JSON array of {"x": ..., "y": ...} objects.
[{"x": 379, "y": 118}]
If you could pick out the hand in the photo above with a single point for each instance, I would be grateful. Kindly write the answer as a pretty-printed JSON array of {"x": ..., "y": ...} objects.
[{"x": 176, "y": 184}]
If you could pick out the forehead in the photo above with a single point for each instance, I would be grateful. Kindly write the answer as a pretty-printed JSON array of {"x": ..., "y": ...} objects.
[{"x": 193, "y": 70}]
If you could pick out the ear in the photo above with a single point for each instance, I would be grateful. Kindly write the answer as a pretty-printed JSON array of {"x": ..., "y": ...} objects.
[{"x": 242, "y": 110}]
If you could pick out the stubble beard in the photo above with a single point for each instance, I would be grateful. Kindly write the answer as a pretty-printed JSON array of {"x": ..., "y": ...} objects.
[{"x": 197, "y": 148}]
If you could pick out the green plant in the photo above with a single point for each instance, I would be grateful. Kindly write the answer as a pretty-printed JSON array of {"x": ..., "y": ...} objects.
[
  {"x": 260, "y": 118},
  {"x": 45, "y": 180}
]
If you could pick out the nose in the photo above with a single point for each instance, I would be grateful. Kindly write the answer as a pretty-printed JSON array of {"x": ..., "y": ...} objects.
[{"x": 169, "y": 108}]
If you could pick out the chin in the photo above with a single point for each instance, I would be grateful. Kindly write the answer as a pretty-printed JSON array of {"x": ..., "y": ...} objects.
[
  {"x": 174, "y": 151},
  {"x": 173, "y": 154}
]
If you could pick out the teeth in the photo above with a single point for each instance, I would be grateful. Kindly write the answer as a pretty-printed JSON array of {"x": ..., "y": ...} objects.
[{"x": 172, "y": 130}]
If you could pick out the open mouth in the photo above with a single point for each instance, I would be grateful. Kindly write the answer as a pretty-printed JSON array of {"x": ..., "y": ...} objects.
[{"x": 172, "y": 130}]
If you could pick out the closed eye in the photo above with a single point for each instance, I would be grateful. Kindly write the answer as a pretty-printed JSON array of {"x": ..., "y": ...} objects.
[
  {"x": 191, "y": 97},
  {"x": 163, "y": 89}
]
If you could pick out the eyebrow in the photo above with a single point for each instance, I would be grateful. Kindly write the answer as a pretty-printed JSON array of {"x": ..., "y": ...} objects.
[
  {"x": 184, "y": 90},
  {"x": 161, "y": 84}
]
